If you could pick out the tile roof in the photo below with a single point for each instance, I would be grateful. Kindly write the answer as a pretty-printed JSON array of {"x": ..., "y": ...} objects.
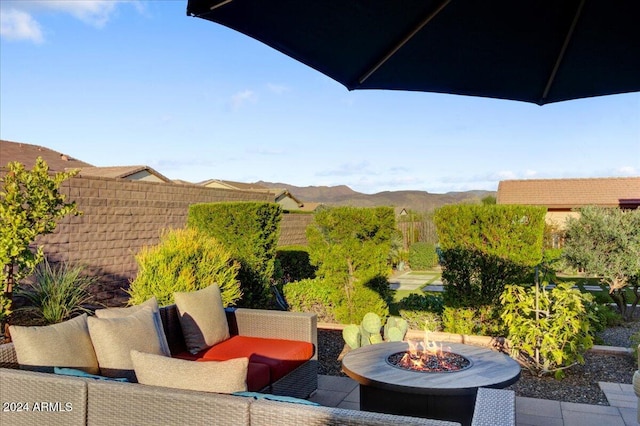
[
  {"x": 571, "y": 193},
  {"x": 27, "y": 154},
  {"x": 120, "y": 172},
  {"x": 233, "y": 185}
]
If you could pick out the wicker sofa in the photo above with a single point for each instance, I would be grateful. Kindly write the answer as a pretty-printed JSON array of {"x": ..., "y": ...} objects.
[
  {"x": 30, "y": 398},
  {"x": 89, "y": 402}
]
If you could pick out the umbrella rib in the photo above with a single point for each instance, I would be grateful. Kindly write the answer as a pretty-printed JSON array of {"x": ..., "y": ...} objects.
[
  {"x": 404, "y": 41},
  {"x": 563, "y": 50}
]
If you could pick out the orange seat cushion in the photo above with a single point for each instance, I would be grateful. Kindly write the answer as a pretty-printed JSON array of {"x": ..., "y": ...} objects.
[{"x": 282, "y": 356}]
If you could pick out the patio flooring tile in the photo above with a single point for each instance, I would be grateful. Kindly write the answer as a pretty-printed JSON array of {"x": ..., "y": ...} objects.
[
  {"x": 538, "y": 407},
  {"x": 343, "y": 392},
  {"x": 578, "y": 418},
  {"x": 533, "y": 420},
  {"x": 629, "y": 416},
  {"x": 328, "y": 398}
]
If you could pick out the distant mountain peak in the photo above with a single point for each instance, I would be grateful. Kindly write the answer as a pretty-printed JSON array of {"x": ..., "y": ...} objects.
[{"x": 341, "y": 195}]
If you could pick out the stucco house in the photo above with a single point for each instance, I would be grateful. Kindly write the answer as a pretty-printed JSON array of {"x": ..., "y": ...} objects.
[
  {"x": 562, "y": 196},
  {"x": 281, "y": 196}
]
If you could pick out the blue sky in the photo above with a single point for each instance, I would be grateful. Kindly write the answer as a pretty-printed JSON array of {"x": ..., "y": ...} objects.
[{"x": 139, "y": 82}]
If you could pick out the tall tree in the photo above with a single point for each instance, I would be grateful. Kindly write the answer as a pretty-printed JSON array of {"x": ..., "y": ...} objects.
[
  {"x": 30, "y": 205},
  {"x": 605, "y": 242}
]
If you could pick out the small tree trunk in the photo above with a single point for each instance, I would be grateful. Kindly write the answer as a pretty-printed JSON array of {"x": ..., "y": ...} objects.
[
  {"x": 8, "y": 295},
  {"x": 620, "y": 299}
]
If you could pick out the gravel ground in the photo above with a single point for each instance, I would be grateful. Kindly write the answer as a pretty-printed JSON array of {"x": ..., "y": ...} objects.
[{"x": 580, "y": 384}]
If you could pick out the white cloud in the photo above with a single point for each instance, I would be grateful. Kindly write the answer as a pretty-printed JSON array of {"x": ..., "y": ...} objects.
[
  {"x": 240, "y": 99},
  {"x": 505, "y": 175},
  {"x": 348, "y": 169},
  {"x": 627, "y": 171},
  {"x": 19, "y": 18},
  {"x": 278, "y": 89},
  {"x": 19, "y": 25},
  {"x": 92, "y": 12}
]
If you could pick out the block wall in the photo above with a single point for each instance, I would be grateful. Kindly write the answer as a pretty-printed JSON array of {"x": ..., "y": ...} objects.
[
  {"x": 119, "y": 218},
  {"x": 293, "y": 229}
]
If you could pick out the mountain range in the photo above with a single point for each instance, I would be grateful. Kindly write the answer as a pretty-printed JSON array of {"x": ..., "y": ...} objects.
[{"x": 342, "y": 195}]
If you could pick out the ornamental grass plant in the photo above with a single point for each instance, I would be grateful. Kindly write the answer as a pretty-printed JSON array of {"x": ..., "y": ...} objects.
[{"x": 59, "y": 291}]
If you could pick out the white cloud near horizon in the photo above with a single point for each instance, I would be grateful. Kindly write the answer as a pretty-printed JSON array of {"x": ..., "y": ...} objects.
[
  {"x": 627, "y": 171},
  {"x": 348, "y": 169}
]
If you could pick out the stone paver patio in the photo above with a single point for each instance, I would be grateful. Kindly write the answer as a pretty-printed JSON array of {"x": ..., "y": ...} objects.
[{"x": 343, "y": 392}]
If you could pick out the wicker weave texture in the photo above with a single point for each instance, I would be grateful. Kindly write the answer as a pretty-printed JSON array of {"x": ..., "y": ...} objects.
[
  {"x": 271, "y": 413},
  {"x": 30, "y": 398},
  {"x": 494, "y": 407},
  {"x": 8, "y": 357},
  {"x": 134, "y": 404},
  {"x": 277, "y": 325},
  {"x": 300, "y": 383}
]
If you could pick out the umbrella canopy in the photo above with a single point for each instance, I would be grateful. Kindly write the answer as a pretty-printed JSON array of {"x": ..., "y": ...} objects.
[{"x": 538, "y": 51}]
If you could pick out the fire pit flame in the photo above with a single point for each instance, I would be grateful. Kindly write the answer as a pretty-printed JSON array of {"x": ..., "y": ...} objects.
[{"x": 428, "y": 356}]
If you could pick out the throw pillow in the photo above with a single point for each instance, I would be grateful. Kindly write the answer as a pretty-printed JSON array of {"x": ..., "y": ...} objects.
[
  {"x": 211, "y": 376},
  {"x": 79, "y": 373},
  {"x": 123, "y": 312},
  {"x": 114, "y": 338},
  {"x": 202, "y": 318},
  {"x": 66, "y": 344}
]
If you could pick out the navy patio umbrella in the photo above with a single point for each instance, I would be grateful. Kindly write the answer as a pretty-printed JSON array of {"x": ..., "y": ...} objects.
[{"x": 538, "y": 51}]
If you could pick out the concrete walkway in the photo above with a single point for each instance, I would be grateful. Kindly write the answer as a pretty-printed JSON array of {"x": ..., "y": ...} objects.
[
  {"x": 415, "y": 280},
  {"x": 343, "y": 392},
  {"x": 430, "y": 281}
]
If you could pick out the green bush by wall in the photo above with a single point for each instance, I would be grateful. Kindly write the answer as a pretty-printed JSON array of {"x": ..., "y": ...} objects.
[
  {"x": 293, "y": 264},
  {"x": 184, "y": 260},
  {"x": 250, "y": 230},
  {"x": 485, "y": 247},
  {"x": 313, "y": 295}
]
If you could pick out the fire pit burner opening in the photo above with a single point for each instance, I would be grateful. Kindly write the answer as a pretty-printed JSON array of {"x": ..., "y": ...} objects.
[{"x": 428, "y": 362}]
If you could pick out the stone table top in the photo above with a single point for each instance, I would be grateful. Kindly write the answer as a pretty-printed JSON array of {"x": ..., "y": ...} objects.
[{"x": 368, "y": 365}]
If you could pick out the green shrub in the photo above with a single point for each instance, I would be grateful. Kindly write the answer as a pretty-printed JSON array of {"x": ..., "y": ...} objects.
[
  {"x": 560, "y": 335},
  {"x": 250, "y": 231},
  {"x": 422, "y": 320},
  {"x": 459, "y": 320},
  {"x": 312, "y": 295},
  {"x": 422, "y": 311},
  {"x": 293, "y": 263},
  {"x": 422, "y": 302},
  {"x": 635, "y": 341},
  {"x": 602, "y": 316},
  {"x": 184, "y": 260},
  {"x": 485, "y": 247},
  {"x": 479, "y": 320},
  {"x": 422, "y": 256},
  {"x": 30, "y": 206},
  {"x": 350, "y": 247},
  {"x": 363, "y": 300},
  {"x": 59, "y": 292}
]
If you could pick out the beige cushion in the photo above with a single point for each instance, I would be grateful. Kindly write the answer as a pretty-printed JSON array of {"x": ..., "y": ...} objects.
[
  {"x": 123, "y": 312},
  {"x": 210, "y": 376},
  {"x": 114, "y": 338},
  {"x": 202, "y": 318},
  {"x": 66, "y": 344}
]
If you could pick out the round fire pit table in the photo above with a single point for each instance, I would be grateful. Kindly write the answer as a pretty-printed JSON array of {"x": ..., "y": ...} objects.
[{"x": 451, "y": 395}]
